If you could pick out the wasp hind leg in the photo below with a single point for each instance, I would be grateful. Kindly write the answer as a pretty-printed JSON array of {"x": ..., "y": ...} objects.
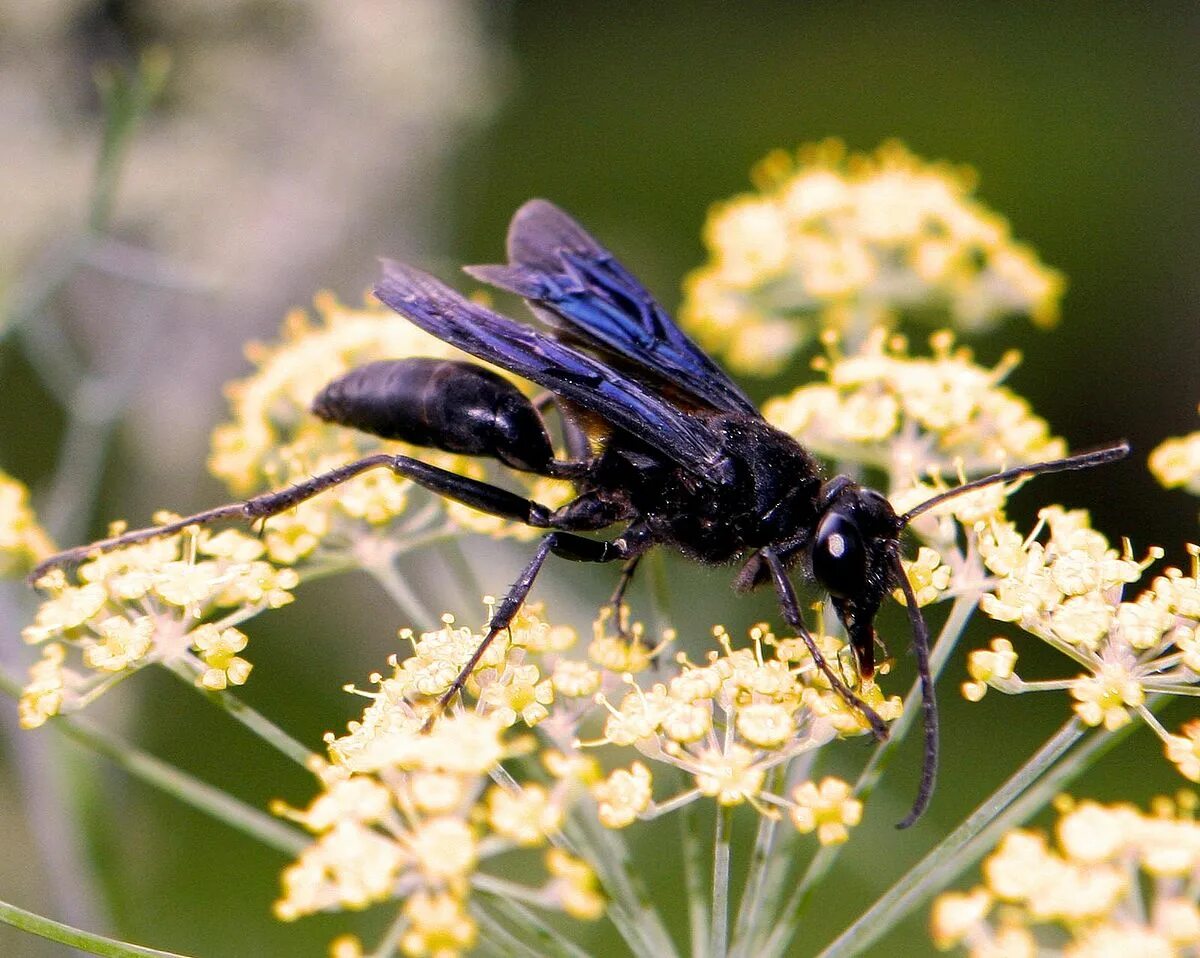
[{"x": 471, "y": 492}]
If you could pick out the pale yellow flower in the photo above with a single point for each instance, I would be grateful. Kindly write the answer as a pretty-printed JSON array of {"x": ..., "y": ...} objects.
[
  {"x": 1176, "y": 463},
  {"x": 273, "y": 439},
  {"x": 23, "y": 543},
  {"x": 842, "y": 242},
  {"x": 165, "y": 601},
  {"x": 623, "y": 796},
  {"x": 911, "y": 415},
  {"x": 439, "y": 926},
  {"x": 1115, "y": 886},
  {"x": 829, "y": 807},
  {"x": 525, "y": 816}
]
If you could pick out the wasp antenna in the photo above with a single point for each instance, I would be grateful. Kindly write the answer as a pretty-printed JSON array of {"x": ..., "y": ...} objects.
[
  {"x": 929, "y": 713},
  {"x": 1083, "y": 460}
]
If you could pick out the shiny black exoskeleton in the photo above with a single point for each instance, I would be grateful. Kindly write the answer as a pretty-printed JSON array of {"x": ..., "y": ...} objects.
[{"x": 656, "y": 436}]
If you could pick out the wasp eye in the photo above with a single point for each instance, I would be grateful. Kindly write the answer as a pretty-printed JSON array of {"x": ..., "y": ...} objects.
[{"x": 838, "y": 560}]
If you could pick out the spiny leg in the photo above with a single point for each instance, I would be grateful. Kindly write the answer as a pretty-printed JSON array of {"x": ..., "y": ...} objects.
[
  {"x": 564, "y": 544},
  {"x": 791, "y": 612},
  {"x": 616, "y": 601},
  {"x": 471, "y": 492}
]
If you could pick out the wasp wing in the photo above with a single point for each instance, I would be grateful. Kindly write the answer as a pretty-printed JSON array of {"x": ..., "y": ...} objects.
[
  {"x": 558, "y": 267},
  {"x": 557, "y": 366}
]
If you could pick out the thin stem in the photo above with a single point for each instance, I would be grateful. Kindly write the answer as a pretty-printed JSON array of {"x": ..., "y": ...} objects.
[
  {"x": 693, "y": 877},
  {"x": 764, "y": 845},
  {"x": 391, "y": 938},
  {"x": 790, "y": 915},
  {"x": 254, "y": 720},
  {"x": 630, "y": 909},
  {"x": 718, "y": 938},
  {"x": 394, "y": 584},
  {"x": 127, "y": 97},
  {"x": 174, "y": 781},
  {"x": 948, "y": 855},
  {"x": 506, "y": 903},
  {"x": 1021, "y": 810},
  {"x": 504, "y": 941},
  {"x": 188, "y": 789},
  {"x": 74, "y": 937}
]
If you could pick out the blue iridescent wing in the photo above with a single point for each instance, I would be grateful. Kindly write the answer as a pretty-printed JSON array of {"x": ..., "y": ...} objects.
[
  {"x": 562, "y": 271},
  {"x": 557, "y": 366}
]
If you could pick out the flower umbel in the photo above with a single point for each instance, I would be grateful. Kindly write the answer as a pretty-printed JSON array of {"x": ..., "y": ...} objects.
[
  {"x": 407, "y": 815},
  {"x": 274, "y": 439},
  {"x": 883, "y": 407},
  {"x": 1117, "y": 882},
  {"x": 1068, "y": 591},
  {"x": 173, "y": 600},
  {"x": 852, "y": 242}
]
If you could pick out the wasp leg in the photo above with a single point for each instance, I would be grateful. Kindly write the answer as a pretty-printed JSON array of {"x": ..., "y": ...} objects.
[
  {"x": 616, "y": 601},
  {"x": 564, "y": 544},
  {"x": 471, "y": 492},
  {"x": 791, "y": 612}
]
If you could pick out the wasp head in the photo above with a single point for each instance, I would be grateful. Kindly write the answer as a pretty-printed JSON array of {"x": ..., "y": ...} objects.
[{"x": 852, "y": 556}]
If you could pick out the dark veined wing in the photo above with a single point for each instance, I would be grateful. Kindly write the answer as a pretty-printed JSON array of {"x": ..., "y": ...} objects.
[
  {"x": 557, "y": 265},
  {"x": 559, "y": 367}
]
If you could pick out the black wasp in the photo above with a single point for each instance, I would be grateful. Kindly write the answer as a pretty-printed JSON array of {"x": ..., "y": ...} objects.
[{"x": 656, "y": 437}]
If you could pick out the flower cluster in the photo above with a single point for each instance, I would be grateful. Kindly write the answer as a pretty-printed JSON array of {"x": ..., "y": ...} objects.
[
  {"x": 1116, "y": 882},
  {"x": 274, "y": 439},
  {"x": 730, "y": 725},
  {"x": 1176, "y": 463},
  {"x": 175, "y": 601},
  {"x": 1068, "y": 591},
  {"x": 850, "y": 243},
  {"x": 23, "y": 543},
  {"x": 883, "y": 407},
  {"x": 406, "y": 814},
  {"x": 411, "y": 818}
]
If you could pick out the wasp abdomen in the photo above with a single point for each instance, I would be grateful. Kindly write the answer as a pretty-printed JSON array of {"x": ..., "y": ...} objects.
[{"x": 454, "y": 406}]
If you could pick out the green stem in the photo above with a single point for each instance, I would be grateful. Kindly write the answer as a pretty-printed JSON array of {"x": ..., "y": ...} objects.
[
  {"x": 752, "y": 900},
  {"x": 254, "y": 720},
  {"x": 630, "y": 908},
  {"x": 790, "y": 915},
  {"x": 502, "y": 940},
  {"x": 175, "y": 782},
  {"x": 186, "y": 788},
  {"x": 693, "y": 877},
  {"x": 718, "y": 938},
  {"x": 398, "y": 590},
  {"x": 75, "y": 938},
  {"x": 950, "y": 855},
  {"x": 127, "y": 97},
  {"x": 391, "y": 938},
  {"x": 553, "y": 941}
]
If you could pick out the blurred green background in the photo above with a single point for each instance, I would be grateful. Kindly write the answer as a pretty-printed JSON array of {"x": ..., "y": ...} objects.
[{"x": 296, "y": 142}]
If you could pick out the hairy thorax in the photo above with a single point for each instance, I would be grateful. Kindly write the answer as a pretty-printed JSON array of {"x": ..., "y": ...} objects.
[{"x": 761, "y": 490}]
